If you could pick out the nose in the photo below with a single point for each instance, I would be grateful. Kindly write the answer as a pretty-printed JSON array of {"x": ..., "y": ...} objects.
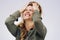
[{"x": 28, "y": 12}]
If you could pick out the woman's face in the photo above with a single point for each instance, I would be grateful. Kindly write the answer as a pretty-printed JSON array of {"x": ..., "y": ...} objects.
[{"x": 28, "y": 13}]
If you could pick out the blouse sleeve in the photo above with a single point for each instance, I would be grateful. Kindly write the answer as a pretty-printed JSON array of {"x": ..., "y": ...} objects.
[
  {"x": 9, "y": 22},
  {"x": 39, "y": 26}
]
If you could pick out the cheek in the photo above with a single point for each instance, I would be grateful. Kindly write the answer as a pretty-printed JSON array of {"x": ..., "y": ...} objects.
[
  {"x": 23, "y": 14},
  {"x": 31, "y": 14}
]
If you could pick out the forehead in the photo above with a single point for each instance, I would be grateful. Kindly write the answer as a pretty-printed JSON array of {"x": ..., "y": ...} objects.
[{"x": 29, "y": 7}]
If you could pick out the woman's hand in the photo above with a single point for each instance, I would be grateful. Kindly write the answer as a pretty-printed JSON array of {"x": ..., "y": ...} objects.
[{"x": 35, "y": 6}]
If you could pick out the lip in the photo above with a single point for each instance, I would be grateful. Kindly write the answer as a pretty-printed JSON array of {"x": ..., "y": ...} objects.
[{"x": 27, "y": 14}]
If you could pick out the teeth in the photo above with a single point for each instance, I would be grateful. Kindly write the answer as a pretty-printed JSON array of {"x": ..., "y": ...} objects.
[{"x": 27, "y": 15}]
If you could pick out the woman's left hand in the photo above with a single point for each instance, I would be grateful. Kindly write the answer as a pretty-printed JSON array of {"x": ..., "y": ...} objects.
[{"x": 35, "y": 6}]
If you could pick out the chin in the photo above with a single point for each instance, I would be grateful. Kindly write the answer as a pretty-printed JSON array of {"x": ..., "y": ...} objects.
[{"x": 26, "y": 18}]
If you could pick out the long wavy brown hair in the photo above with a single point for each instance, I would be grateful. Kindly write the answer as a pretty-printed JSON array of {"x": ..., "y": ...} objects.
[{"x": 22, "y": 25}]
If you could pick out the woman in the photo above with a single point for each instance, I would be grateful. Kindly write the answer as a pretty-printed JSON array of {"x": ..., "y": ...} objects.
[{"x": 32, "y": 28}]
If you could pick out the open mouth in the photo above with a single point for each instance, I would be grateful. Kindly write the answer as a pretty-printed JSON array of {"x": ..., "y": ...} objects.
[{"x": 27, "y": 14}]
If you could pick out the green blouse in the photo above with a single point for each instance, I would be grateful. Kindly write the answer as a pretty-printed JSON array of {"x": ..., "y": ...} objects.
[{"x": 37, "y": 33}]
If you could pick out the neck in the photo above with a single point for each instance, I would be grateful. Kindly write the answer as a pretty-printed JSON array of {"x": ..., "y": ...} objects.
[
  {"x": 28, "y": 24},
  {"x": 28, "y": 21}
]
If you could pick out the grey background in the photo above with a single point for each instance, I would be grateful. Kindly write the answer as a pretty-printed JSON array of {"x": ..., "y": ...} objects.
[{"x": 51, "y": 17}]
